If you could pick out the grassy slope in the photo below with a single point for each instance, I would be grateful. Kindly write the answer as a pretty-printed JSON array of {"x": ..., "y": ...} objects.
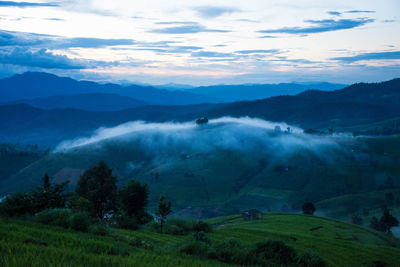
[
  {"x": 240, "y": 180},
  {"x": 18, "y": 247},
  {"x": 340, "y": 244}
]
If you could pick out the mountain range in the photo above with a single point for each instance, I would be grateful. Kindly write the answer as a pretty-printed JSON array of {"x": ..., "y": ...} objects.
[
  {"x": 44, "y": 90},
  {"x": 50, "y": 119}
]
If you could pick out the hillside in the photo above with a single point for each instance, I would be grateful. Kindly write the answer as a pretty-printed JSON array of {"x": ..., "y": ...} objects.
[
  {"x": 339, "y": 244},
  {"x": 91, "y": 102},
  {"x": 226, "y": 166},
  {"x": 31, "y": 85},
  {"x": 249, "y": 92}
]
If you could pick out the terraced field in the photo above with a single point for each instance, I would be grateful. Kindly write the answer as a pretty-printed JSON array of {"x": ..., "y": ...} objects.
[{"x": 24, "y": 243}]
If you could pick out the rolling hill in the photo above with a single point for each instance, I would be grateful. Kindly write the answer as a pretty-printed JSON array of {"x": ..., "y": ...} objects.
[
  {"x": 31, "y": 85},
  {"x": 249, "y": 92},
  {"x": 89, "y": 102},
  {"x": 369, "y": 108},
  {"x": 226, "y": 166},
  {"x": 339, "y": 244}
]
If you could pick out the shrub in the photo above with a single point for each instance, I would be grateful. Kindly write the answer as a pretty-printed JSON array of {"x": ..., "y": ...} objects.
[
  {"x": 201, "y": 236},
  {"x": 309, "y": 259},
  {"x": 79, "y": 221},
  {"x": 231, "y": 251},
  {"x": 98, "y": 230},
  {"x": 123, "y": 221},
  {"x": 57, "y": 217},
  {"x": 193, "y": 247},
  {"x": 308, "y": 208},
  {"x": 202, "y": 227},
  {"x": 179, "y": 226},
  {"x": 17, "y": 204},
  {"x": 273, "y": 251}
]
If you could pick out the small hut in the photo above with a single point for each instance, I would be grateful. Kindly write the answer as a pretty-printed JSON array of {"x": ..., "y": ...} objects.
[{"x": 252, "y": 214}]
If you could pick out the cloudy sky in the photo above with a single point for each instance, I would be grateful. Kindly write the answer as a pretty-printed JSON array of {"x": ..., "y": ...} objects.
[{"x": 203, "y": 42}]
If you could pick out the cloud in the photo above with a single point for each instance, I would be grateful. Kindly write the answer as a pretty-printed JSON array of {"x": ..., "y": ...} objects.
[
  {"x": 370, "y": 56},
  {"x": 95, "y": 42},
  {"x": 334, "y": 13},
  {"x": 318, "y": 26},
  {"x": 224, "y": 132},
  {"x": 175, "y": 22},
  {"x": 359, "y": 11},
  {"x": 9, "y": 38},
  {"x": 269, "y": 36},
  {"x": 169, "y": 49},
  {"x": 40, "y": 59},
  {"x": 214, "y": 11},
  {"x": 211, "y": 54},
  {"x": 186, "y": 29},
  {"x": 25, "y": 4},
  {"x": 269, "y": 51}
]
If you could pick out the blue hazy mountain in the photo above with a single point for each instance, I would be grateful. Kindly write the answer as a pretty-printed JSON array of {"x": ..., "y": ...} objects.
[
  {"x": 91, "y": 102},
  {"x": 359, "y": 104},
  {"x": 31, "y": 85},
  {"x": 231, "y": 93},
  {"x": 22, "y": 88}
]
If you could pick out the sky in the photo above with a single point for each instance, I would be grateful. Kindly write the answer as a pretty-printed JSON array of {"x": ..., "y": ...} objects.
[{"x": 203, "y": 42}]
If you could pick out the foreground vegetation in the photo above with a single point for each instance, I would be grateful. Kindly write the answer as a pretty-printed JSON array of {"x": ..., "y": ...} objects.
[{"x": 27, "y": 243}]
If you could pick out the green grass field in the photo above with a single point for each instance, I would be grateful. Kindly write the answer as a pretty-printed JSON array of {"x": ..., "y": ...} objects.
[{"x": 24, "y": 243}]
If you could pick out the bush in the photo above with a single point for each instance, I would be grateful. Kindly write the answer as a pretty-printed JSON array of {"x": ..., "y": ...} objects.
[
  {"x": 57, "y": 217},
  {"x": 202, "y": 227},
  {"x": 79, "y": 222},
  {"x": 201, "y": 236},
  {"x": 16, "y": 205},
  {"x": 193, "y": 247},
  {"x": 179, "y": 226},
  {"x": 273, "y": 251},
  {"x": 309, "y": 259},
  {"x": 123, "y": 221},
  {"x": 98, "y": 230},
  {"x": 308, "y": 208},
  {"x": 231, "y": 251}
]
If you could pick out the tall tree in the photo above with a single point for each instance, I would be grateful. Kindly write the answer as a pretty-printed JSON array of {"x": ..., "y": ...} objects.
[
  {"x": 49, "y": 196},
  {"x": 164, "y": 209},
  {"x": 98, "y": 185},
  {"x": 133, "y": 198}
]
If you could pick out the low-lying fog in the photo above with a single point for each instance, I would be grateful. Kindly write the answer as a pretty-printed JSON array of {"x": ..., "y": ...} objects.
[{"x": 224, "y": 133}]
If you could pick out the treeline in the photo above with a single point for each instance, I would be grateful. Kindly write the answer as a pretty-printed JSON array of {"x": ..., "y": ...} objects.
[{"x": 95, "y": 200}]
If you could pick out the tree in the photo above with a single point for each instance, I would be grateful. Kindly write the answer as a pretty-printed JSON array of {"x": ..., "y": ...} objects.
[
  {"x": 133, "y": 198},
  {"x": 164, "y": 209},
  {"x": 375, "y": 224},
  {"x": 308, "y": 208},
  {"x": 16, "y": 205},
  {"x": 49, "y": 196},
  {"x": 98, "y": 185},
  {"x": 388, "y": 221}
]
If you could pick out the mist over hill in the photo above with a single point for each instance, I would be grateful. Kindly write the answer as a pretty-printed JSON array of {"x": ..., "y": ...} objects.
[{"x": 360, "y": 108}]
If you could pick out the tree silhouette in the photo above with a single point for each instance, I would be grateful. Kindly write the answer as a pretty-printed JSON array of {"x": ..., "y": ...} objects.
[
  {"x": 133, "y": 198},
  {"x": 98, "y": 185},
  {"x": 308, "y": 208},
  {"x": 164, "y": 209}
]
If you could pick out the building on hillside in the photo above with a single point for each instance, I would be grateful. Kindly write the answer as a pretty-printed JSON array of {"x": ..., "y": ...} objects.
[{"x": 252, "y": 214}]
